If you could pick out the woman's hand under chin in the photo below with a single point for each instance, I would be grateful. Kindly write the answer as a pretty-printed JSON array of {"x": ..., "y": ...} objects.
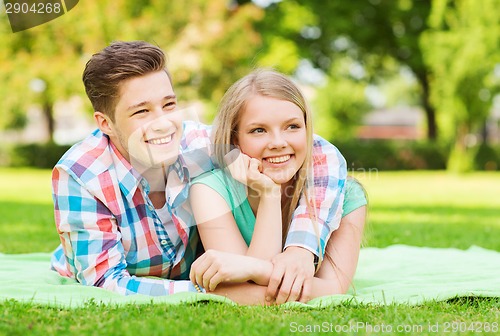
[{"x": 248, "y": 171}]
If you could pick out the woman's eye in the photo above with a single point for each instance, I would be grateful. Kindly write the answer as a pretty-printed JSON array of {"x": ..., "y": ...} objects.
[
  {"x": 257, "y": 130},
  {"x": 294, "y": 126}
]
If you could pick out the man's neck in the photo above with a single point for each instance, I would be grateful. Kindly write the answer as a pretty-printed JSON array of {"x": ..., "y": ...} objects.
[{"x": 157, "y": 179}]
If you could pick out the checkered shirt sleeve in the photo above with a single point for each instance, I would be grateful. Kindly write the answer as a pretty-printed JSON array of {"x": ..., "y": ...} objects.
[{"x": 329, "y": 174}]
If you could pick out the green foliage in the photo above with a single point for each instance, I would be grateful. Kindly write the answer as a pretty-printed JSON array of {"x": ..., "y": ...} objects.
[
  {"x": 461, "y": 160},
  {"x": 450, "y": 47},
  {"x": 377, "y": 35},
  {"x": 461, "y": 51},
  {"x": 340, "y": 104},
  {"x": 209, "y": 44},
  {"x": 382, "y": 155},
  {"x": 487, "y": 157},
  {"x": 37, "y": 155}
]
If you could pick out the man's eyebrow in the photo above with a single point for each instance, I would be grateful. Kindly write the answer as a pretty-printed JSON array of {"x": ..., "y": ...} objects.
[{"x": 132, "y": 107}]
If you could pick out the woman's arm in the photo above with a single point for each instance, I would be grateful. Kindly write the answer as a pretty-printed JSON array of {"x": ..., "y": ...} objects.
[
  {"x": 332, "y": 278},
  {"x": 215, "y": 222},
  {"x": 216, "y": 267},
  {"x": 336, "y": 272},
  {"x": 218, "y": 230}
]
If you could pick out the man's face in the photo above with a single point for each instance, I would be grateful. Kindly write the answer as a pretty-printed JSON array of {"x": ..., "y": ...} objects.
[{"x": 148, "y": 126}]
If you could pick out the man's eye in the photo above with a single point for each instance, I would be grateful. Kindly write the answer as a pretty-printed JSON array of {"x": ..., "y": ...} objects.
[
  {"x": 169, "y": 105},
  {"x": 139, "y": 112}
]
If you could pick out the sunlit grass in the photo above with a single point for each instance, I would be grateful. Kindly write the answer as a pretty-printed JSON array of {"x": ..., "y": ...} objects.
[
  {"x": 433, "y": 209},
  {"x": 415, "y": 208}
]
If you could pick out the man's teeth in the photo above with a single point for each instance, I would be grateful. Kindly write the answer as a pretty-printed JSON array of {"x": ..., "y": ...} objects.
[
  {"x": 279, "y": 159},
  {"x": 160, "y": 141}
]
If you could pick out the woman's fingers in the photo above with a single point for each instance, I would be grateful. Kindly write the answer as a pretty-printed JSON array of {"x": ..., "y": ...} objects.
[
  {"x": 208, "y": 276},
  {"x": 238, "y": 165},
  {"x": 198, "y": 268},
  {"x": 296, "y": 289}
]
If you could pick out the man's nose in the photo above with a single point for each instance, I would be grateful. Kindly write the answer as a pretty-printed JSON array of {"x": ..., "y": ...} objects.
[{"x": 161, "y": 121}]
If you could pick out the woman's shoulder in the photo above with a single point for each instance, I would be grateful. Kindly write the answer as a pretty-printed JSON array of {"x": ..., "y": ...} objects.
[{"x": 211, "y": 176}]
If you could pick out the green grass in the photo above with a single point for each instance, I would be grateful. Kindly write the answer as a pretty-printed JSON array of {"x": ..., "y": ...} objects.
[{"x": 414, "y": 208}]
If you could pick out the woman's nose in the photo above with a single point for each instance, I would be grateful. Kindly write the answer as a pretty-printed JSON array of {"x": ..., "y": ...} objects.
[{"x": 277, "y": 141}]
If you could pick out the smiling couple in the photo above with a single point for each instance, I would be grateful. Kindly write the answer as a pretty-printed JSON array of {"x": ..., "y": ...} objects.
[{"x": 257, "y": 208}]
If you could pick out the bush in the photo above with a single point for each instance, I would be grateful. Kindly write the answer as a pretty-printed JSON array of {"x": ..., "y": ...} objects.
[
  {"x": 393, "y": 155},
  {"x": 487, "y": 158},
  {"x": 37, "y": 155},
  {"x": 410, "y": 155}
]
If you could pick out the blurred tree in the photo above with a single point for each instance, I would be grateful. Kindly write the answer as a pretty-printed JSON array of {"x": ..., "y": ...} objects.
[
  {"x": 210, "y": 44},
  {"x": 461, "y": 49},
  {"x": 345, "y": 96},
  {"x": 370, "y": 32}
]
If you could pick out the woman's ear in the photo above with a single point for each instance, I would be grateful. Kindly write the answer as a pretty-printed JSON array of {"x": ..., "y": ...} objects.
[{"x": 104, "y": 123}]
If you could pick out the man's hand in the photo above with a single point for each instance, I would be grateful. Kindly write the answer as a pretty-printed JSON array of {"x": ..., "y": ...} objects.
[{"x": 291, "y": 269}]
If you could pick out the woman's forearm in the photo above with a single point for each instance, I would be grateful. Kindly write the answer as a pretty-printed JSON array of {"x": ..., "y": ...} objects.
[{"x": 266, "y": 239}]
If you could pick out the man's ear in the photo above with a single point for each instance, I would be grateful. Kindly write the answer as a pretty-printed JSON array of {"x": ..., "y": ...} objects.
[{"x": 104, "y": 123}]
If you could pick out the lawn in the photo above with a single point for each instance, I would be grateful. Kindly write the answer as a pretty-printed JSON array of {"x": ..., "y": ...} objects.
[{"x": 415, "y": 208}]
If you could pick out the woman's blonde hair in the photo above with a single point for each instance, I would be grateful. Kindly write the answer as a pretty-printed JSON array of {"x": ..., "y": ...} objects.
[{"x": 272, "y": 84}]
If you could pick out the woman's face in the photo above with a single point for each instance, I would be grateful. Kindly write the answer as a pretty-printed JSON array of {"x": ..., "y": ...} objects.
[{"x": 273, "y": 131}]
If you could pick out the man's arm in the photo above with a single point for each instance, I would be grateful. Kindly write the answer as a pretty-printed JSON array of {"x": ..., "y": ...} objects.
[
  {"x": 92, "y": 246},
  {"x": 330, "y": 172},
  {"x": 306, "y": 239}
]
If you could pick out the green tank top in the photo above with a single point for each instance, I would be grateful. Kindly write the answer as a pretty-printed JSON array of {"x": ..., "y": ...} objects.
[{"x": 235, "y": 195}]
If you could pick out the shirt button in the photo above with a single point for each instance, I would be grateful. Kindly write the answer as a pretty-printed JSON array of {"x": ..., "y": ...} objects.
[
  {"x": 150, "y": 207},
  {"x": 163, "y": 242}
]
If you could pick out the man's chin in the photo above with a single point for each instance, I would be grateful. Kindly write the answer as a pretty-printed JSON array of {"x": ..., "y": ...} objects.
[{"x": 152, "y": 163}]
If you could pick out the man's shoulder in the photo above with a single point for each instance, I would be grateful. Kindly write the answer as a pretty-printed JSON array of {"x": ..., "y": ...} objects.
[
  {"x": 195, "y": 133},
  {"x": 87, "y": 158},
  {"x": 324, "y": 145},
  {"x": 325, "y": 149}
]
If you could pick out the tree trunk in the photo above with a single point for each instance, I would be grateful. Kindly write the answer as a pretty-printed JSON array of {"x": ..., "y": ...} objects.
[
  {"x": 461, "y": 158},
  {"x": 48, "y": 112},
  {"x": 430, "y": 112}
]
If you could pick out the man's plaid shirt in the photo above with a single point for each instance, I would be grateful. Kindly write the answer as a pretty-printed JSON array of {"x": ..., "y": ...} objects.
[{"x": 112, "y": 237}]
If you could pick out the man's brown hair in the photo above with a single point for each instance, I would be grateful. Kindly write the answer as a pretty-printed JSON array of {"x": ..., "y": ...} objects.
[{"x": 119, "y": 61}]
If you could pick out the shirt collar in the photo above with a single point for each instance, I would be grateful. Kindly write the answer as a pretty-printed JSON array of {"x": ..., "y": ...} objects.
[{"x": 129, "y": 178}]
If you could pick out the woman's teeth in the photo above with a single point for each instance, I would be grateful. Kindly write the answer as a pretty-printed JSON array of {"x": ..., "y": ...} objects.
[{"x": 279, "y": 159}]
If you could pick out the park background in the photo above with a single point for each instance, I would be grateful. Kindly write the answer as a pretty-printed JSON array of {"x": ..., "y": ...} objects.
[
  {"x": 409, "y": 90},
  {"x": 402, "y": 84}
]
